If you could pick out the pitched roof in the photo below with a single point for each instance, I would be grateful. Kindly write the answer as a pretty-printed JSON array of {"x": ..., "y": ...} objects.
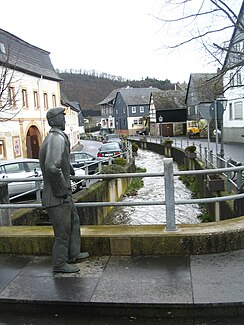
[
  {"x": 237, "y": 35},
  {"x": 203, "y": 87},
  {"x": 137, "y": 96},
  {"x": 110, "y": 97},
  {"x": 169, "y": 99},
  {"x": 25, "y": 57}
]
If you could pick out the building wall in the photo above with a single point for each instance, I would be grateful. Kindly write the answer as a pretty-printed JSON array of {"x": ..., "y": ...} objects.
[
  {"x": 13, "y": 133},
  {"x": 233, "y": 118}
]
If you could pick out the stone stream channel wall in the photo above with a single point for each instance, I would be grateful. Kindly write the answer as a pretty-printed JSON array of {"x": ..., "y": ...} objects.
[{"x": 25, "y": 237}]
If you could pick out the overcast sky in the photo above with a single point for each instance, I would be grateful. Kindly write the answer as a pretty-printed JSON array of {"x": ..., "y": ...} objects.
[{"x": 118, "y": 37}]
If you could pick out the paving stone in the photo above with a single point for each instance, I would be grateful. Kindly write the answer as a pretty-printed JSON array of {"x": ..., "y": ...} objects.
[
  {"x": 145, "y": 279},
  {"x": 10, "y": 266},
  {"x": 50, "y": 289},
  {"x": 218, "y": 278}
]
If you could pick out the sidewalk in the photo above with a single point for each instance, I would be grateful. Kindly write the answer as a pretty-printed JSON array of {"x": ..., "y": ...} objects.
[{"x": 136, "y": 286}]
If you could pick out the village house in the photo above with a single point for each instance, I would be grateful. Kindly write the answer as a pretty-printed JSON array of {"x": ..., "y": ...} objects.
[
  {"x": 127, "y": 110},
  {"x": 168, "y": 113},
  {"x": 29, "y": 86},
  {"x": 233, "y": 120}
]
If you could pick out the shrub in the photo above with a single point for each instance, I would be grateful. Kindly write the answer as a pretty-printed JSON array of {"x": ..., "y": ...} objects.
[
  {"x": 120, "y": 161},
  {"x": 191, "y": 149},
  {"x": 134, "y": 147},
  {"x": 113, "y": 169},
  {"x": 167, "y": 141}
]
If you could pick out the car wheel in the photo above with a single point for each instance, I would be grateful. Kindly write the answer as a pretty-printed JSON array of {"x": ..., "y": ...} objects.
[{"x": 74, "y": 186}]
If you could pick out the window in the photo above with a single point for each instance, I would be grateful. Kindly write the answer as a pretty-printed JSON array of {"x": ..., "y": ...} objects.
[
  {"x": 141, "y": 109},
  {"x": 238, "y": 77},
  {"x": 135, "y": 122},
  {"x": 45, "y": 99},
  {"x": 230, "y": 111},
  {"x": 133, "y": 109},
  {"x": 24, "y": 98},
  {"x": 54, "y": 101},
  {"x": 140, "y": 120},
  {"x": 232, "y": 79},
  {"x": 2, "y": 48},
  {"x": 36, "y": 101},
  {"x": 1, "y": 149},
  {"x": 238, "y": 111},
  {"x": 11, "y": 96}
]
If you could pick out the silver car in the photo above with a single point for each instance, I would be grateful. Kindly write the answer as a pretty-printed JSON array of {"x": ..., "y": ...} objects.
[{"x": 20, "y": 168}]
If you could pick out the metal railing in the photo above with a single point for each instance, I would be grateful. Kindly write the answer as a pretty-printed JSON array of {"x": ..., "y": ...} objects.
[
  {"x": 169, "y": 201},
  {"x": 207, "y": 156}
]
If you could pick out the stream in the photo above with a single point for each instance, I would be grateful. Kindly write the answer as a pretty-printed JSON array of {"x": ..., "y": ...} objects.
[{"x": 153, "y": 190}]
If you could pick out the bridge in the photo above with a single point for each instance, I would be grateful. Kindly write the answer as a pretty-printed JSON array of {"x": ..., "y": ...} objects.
[{"x": 174, "y": 272}]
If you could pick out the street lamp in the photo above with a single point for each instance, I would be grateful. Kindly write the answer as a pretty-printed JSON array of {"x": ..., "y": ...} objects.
[
  {"x": 160, "y": 119},
  {"x": 217, "y": 111},
  {"x": 222, "y": 102}
]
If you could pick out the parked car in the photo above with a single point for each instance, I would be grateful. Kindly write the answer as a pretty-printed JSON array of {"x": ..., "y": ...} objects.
[
  {"x": 110, "y": 149},
  {"x": 111, "y": 136},
  {"x": 28, "y": 168},
  {"x": 77, "y": 185},
  {"x": 119, "y": 141},
  {"x": 20, "y": 168},
  {"x": 82, "y": 159},
  {"x": 143, "y": 132}
]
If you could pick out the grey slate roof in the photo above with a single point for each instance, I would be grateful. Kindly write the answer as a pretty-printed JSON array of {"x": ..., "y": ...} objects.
[
  {"x": 110, "y": 97},
  {"x": 25, "y": 57},
  {"x": 169, "y": 99},
  {"x": 203, "y": 87},
  {"x": 137, "y": 96},
  {"x": 237, "y": 35}
]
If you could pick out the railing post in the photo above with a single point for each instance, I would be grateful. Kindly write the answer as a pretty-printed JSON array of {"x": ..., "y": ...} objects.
[
  {"x": 169, "y": 194},
  {"x": 38, "y": 192},
  {"x": 206, "y": 157},
  {"x": 211, "y": 157}
]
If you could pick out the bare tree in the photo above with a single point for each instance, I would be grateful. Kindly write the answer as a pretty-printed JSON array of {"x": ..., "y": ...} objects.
[
  {"x": 210, "y": 25},
  {"x": 9, "y": 85}
]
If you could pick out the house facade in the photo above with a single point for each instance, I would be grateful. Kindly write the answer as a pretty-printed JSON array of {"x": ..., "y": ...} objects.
[
  {"x": 168, "y": 113},
  {"x": 126, "y": 110},
  {"x": 233, "y": 119},
  {"x": 29, "y": 87}
]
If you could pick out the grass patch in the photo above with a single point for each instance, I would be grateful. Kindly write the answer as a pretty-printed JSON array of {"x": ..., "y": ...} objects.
[{"x": 136, "y": 183}]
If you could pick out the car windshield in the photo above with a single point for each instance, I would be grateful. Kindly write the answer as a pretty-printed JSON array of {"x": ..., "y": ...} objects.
[{"x": 110, "y": 146}]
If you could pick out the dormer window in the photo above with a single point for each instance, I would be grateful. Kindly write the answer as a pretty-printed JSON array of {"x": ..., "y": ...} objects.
[{"x": 2, "y": 48}]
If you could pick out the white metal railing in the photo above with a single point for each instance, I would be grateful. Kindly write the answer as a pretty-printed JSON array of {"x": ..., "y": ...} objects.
[{"x": 169, "y": 201}]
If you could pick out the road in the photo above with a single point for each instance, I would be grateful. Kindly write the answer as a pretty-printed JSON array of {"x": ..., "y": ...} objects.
[{"x": 235, "y": 151}]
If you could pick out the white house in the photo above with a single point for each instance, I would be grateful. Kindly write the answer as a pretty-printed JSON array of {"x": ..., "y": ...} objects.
[
  {"x": 29, "y": 86},
  {"x": 233, "y": 119}
]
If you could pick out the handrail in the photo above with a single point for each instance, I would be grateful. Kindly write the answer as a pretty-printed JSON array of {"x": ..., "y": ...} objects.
[{"x": 169, "y": 201}]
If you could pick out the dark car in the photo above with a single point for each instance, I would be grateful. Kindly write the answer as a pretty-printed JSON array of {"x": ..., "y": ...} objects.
[
  {"x": 110, "y": 149},
  {"x": 119, "y": 141},
  {"x": 82, "y": 159},
  {"x": 143, "y": 132},
  {"x": 111, "y": 136}
]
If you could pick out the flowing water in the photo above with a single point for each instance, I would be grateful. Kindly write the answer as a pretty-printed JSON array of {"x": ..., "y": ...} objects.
[{"x": 153, "y": 190}]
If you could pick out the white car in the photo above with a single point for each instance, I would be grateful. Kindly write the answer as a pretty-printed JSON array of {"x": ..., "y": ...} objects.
[
  {"x": 77, "y": 185},
  {"x": 29, "y": 168},
  {"x": 20, "y": 168}
]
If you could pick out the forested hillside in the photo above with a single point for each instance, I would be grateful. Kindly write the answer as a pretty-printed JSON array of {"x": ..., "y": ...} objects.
[{"x": 90, "y": 89}]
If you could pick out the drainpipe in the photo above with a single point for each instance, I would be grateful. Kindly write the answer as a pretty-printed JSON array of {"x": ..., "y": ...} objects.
[{"x": 41, "y": 115}]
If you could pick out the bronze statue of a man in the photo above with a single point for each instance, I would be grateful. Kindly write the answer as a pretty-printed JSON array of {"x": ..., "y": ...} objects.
[{"x": 57, "y": 194}]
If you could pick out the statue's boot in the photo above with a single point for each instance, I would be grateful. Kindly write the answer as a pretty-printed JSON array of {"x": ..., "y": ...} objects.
[
  {"x": 80, "y": 257},
  {"x": 66, "y": 268}
]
